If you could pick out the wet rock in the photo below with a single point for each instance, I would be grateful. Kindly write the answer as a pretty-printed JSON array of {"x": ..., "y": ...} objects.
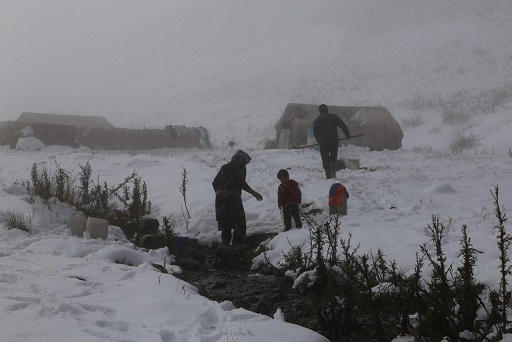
[
  {"x": 159, "y": 267},
  {"x": 225, "y": 257},
  {"x": 196, "y": 254},
  {"x": 190, "y": 264},
  {"x": 201, "y": 290},
  {"x": 149, "y": 226},
  {"x": 252, "y": 300},
  {"x": 263, "y": 307},
  {"x": 152, "y": 241},
  {"x": 219, "y": 285},
  {"x": 240, "y": 249}
]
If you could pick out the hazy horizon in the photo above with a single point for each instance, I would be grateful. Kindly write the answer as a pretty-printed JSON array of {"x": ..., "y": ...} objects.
[{"x": 155, "y": 63}]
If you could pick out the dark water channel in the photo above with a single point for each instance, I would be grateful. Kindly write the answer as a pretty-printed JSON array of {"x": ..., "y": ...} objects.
[
  {"x": 222, "y": 273},
  {"x": 264, "y": 291}
]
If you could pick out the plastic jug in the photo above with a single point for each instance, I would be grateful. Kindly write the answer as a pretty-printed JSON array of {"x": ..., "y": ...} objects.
[
  {"x": 76, "y": 223},
  {"x": 97, "y": 227}
]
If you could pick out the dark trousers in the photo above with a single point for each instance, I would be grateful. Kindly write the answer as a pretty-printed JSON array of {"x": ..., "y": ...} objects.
[
  {"x": 230, "y": 217},
  {"x": 329, "y": 155},
  {"x": 291, "y": 210},
  {"x": 230, "y": 228}
]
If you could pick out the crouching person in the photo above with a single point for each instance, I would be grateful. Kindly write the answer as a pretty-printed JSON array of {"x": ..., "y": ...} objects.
[{"x": 338, "y": 196}]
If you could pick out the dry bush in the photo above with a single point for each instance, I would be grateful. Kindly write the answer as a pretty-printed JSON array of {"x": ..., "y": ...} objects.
[
  {"x": 480, "y": 102},
  {"x": 463, "y": 142},
  {"x": 459, "y": 106},
  {"x": 412, "y": 122},
  {"x": 14, "y": 219},
  {"x": 454, "y": 117},
  {"x": 421, "y": 102},
  {"x": 434, "y": 130}
]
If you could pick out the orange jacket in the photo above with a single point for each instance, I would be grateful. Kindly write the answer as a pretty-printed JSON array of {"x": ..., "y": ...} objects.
[{"x": 337, "y": 194}]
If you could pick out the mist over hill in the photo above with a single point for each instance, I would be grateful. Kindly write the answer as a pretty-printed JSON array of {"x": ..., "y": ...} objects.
[{"x": 232, "y": 66}]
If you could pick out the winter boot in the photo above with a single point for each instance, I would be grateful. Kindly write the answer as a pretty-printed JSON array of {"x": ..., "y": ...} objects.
[{"x": 328, "y": 174}]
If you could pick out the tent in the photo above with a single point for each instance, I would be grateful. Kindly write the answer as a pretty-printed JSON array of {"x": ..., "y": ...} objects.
[
  {"x": 379, "y": 128},
  {"x": 68, "y": 120},
  {"x": 97, "y": 133}
]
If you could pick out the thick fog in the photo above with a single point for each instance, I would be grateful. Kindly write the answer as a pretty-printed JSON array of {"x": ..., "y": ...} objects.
[{"x": 232, "y": 66}]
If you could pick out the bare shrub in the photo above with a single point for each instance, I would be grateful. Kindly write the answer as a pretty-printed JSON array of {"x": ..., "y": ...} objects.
[
  {"x": 14, "y": 219},
  {"x": 420, "y": 102},
  {"x": 122, "y": 205},
  {"x": 434, "y": 130},
  {"x": 358, "y": 295},
  {"x": 463, "y": 142},
  {"x": 412, "y": 122},
  {"x": 479, "y": 52},
  {"x": 469, "y": 102},
  {"x": 499, "y": 96},
  {"x": 454, "y": 117},
  {"x": 480, "y": 102}
]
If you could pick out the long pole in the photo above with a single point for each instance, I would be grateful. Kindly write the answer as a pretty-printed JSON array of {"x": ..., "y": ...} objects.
[{"x": 313, "y": 145}]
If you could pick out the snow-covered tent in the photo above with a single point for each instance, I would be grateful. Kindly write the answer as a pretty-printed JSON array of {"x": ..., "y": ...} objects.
[{"x": 379, "y": 128}]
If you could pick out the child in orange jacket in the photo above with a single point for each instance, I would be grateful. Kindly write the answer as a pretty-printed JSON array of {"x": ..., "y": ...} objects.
[{"x": 338, "y": 196}]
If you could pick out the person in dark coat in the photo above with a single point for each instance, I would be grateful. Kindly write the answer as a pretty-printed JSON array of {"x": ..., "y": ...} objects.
[
  {"x": 229, "y": 209},
  {"x": 289, "y": 198},
  {"x": 325, "y": 129}
]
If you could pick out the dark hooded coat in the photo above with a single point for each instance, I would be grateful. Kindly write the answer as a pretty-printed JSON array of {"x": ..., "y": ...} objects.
[
  {"x": 228, "y": 186},
  {"x": 325, "y": 128}
]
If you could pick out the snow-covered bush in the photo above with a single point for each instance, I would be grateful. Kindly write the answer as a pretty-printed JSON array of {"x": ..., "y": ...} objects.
[
  {"x": 122, "y": 205},
  {"x": 355, "y": 293}
]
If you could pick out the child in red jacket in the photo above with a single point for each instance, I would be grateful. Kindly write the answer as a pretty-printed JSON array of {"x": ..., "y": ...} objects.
[{"x": 289, "y": 198}]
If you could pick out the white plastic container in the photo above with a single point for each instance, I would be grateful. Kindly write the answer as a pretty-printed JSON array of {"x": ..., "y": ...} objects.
[
  {"x": 76, "y": 223},
  {"x": 97, "y": 228}
]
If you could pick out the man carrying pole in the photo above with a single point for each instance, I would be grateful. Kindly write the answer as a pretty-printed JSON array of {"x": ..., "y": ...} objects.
[{"x": 325, "y": 130}]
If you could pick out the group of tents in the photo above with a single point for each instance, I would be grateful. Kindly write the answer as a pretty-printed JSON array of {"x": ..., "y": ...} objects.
[{"x": 372, "y": 127}]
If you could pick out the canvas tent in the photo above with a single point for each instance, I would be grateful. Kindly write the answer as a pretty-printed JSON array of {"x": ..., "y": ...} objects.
[
  {"x": 379, "y": 128},
  {"x": 68, "y": 120},
  {"x": 97, "y": 133}
]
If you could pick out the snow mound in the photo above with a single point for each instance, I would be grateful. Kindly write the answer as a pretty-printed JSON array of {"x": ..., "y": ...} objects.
[
  {"x": 442, "y": 188},
  {"x": 29, "y": 144}
]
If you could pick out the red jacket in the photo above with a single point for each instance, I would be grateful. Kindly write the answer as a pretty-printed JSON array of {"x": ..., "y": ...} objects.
[{"x": 288, "y": 192}]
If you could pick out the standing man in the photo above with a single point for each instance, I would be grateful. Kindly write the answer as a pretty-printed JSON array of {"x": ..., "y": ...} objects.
[
  {"x": 229, "y": 209},
  {"x": 325, "y": 129}
]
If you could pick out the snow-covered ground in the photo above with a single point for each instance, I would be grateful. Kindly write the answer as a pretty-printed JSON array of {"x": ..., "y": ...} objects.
[
  {"x": 232, "y": 66},
  {"x": 55, "y": 285}
]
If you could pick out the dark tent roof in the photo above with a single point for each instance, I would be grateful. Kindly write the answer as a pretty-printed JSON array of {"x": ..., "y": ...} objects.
[{"x": 71, "y": 120}]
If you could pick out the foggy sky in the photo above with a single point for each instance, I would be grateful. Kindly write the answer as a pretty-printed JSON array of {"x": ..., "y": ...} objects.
[{"x": 101, "y": 57}]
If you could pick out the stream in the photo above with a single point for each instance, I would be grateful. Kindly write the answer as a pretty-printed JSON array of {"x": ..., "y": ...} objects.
[{"x": 263, "y": 291}]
